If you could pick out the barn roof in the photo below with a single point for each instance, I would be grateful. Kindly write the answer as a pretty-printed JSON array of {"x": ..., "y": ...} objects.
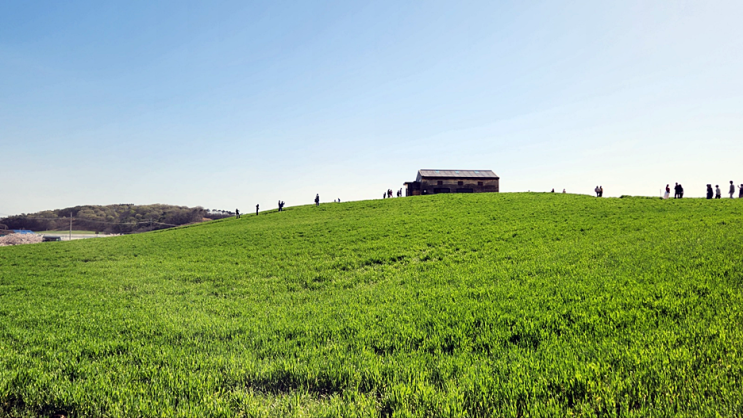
[{"x": 487, "y": 174}]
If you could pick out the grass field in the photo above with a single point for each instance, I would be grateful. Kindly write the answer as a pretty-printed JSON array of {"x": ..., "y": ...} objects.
[{"x": 449, "y": 305}]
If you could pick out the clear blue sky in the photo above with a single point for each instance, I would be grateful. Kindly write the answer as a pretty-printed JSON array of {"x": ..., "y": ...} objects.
[{"x": 232, "y": 103}]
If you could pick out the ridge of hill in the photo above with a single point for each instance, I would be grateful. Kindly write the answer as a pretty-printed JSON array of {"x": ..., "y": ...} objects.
[{"x": 525, "y": 304}]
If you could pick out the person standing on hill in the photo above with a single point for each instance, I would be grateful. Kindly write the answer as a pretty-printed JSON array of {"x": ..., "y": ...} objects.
[
  {"x": 740, "y": 194},
  {"x": 237, "y": 213},
  {"x": 256, "y": 210},
  {"x": 596, "y": 190},
  {"x": 317, "y": 199},
  {"x": 676, "y": 191},
  {"x": 710, "y": 192},
  {"x": 601, "y": 191},
  {"x": 732, "y": 189},
  {"x": 681, "y": 191},
  {"x": 718, "y": 192},
  {"x": 668, "y": 192}
]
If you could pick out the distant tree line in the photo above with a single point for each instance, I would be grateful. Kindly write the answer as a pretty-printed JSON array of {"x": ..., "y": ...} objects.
[{"x": 115, "y": 219}]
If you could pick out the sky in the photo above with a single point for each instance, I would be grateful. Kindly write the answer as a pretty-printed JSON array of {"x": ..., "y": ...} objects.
[{"x": 229, "y": 104}]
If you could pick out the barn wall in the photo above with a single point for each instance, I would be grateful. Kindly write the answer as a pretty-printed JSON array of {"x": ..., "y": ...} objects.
[
  {"x": 412, "y": 189},
  {"x": 431, "y": 184}
]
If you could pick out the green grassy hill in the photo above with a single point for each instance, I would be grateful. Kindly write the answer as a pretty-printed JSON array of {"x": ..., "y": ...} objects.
[{"x": 448, "y": 305}]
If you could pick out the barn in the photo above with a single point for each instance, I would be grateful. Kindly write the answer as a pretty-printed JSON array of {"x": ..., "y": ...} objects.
[{"x": 452, "y": 181}]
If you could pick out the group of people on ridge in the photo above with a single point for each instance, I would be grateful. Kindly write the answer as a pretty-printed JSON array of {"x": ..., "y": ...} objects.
[
  {"x": 599, "y": 191},
  {"x": 678, "y": 191},
  {"x": 388, "y": 194},
  {"x": 718, "y": 193}
]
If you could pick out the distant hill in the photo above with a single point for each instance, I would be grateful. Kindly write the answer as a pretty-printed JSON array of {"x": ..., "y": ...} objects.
[{"x": 119, "y": 219}]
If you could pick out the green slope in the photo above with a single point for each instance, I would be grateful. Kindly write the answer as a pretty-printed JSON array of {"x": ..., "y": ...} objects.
[{"x": 448, "y": 305}]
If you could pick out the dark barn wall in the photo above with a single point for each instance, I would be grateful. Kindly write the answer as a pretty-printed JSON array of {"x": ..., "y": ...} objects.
[
  {"x": 431, "y": 185},
  {"x": 412, "y": 188}
]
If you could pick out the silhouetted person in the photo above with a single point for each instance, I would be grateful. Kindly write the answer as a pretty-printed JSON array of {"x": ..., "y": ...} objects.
[
  {"x": 676, "y": 191},
  {"x": 732, "y": 189},
  {"x": 237, "y": 213},
  {"x": 601, "y": 191},
  {"x": 681, "y": 191},
  {"x": 256, "y": 209},
  {"x": 718, "y": 193},
  {"x": 740, "y": 194},
  {"x": 317, "y": 199},
  {"x": 596, "y": 190},
  {"x": 553, "y": 190},
  {"x": 710, "y": 192},
  {"x": 668, "y": 192}
]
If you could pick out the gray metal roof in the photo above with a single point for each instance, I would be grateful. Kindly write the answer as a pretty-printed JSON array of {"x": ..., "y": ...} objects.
[{"x": 488, "y": 174}]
